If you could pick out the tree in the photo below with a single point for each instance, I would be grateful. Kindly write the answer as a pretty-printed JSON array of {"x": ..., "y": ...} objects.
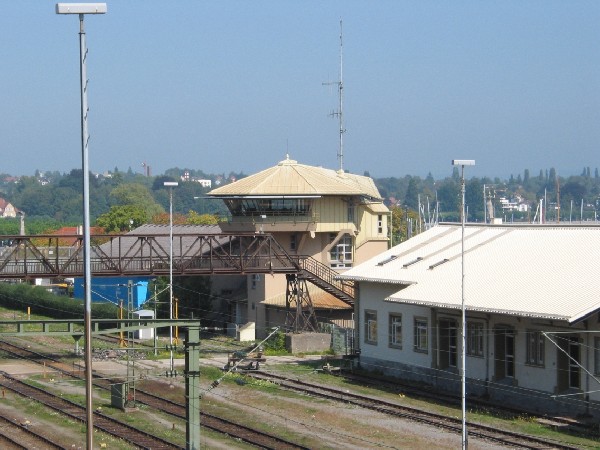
[
  {"x": 449, "y": 198},
  {"x": 400, "y": 224},
  {"x": 193, "y": 218},
  {"x": 138, "y": 195},
  {"x": 122, "y": 218},
  {"x": 474, "y": 199},
  {"x": 572, "y": 190},
  {"x": 552, "y": 177},
  {"x": 411, "y": 198},
  {"x": 164, "y": 219},
  {"x": 159, "y": 182}
]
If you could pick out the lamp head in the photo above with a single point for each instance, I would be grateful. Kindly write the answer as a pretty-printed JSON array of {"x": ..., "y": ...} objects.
[
  {"x": 463, "y": 162},
  {"x": 171, "y": 184},
  {"x": 81, "y": 8}
]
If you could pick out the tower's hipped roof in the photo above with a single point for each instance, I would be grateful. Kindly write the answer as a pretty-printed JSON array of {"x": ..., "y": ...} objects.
[{"x": 291, "y": 178}]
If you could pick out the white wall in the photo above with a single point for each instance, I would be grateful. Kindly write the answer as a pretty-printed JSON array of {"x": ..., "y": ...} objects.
[{"x": 527, "y": 377}]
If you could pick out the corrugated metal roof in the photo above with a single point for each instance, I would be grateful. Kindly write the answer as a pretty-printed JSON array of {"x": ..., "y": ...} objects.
[
  {"x": 289, "y": 177},
  {"x": 177, "y": 229},
  {"x": 532, "y": 271},
  {"x": 186, "y": 241}
]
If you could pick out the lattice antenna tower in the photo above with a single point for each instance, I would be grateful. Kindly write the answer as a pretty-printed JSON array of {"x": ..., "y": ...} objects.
[{"x": 339, "y": 113}]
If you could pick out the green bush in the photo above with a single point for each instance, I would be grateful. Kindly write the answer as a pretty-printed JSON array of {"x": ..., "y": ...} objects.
[
  {"x": 43, "y": 303},
  {"x": 275, "y": 342}
]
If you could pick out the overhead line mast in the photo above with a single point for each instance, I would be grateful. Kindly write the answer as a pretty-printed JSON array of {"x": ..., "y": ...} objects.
[{"x": 339, "y": 113}]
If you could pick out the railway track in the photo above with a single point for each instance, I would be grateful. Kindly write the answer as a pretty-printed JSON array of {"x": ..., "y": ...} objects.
[
  {"x": 77, "y": 412},
  {"x": 512, "y": 439},
  {"x": 505, "y": 437},
  {"x": 453, "y": 400},
  {"x": 15, "y": 435},
  {"x": 209, "y": 421}
]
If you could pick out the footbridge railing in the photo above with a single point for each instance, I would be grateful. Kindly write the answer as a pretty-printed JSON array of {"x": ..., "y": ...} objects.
[{"x": 52, "y": 256}]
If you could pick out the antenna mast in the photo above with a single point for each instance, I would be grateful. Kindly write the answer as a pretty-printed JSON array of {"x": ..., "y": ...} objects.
[{"x": 339, "y": 113}]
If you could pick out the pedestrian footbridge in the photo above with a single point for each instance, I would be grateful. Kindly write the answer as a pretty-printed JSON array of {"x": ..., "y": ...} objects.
[{"x": 142, "y": 254}]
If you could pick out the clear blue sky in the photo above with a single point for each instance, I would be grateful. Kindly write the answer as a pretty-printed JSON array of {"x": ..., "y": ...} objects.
[{"x": 235, "y": 85}]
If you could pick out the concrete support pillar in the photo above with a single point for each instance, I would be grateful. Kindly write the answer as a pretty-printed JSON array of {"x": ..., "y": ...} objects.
[{"x": 192, "y": 387}]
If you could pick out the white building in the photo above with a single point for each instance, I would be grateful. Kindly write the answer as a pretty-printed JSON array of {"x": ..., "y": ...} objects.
[{"x": 531, "y": 298}]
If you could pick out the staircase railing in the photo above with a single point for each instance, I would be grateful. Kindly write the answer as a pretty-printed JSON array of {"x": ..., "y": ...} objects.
[{"x": 345, "y": 289}]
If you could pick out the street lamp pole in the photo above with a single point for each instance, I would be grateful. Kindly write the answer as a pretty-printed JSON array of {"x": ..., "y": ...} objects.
[
  {"x": 463, "y": 380},
  {"x": 82, "y": 9},
  {"x": 171, "y": 185}
]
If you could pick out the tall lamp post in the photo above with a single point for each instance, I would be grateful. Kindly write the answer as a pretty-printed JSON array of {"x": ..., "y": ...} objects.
[
  {"x": 82, "y": 9},
  {"x": 462, "y": 163},
  {"x": 171, "y": 185}
]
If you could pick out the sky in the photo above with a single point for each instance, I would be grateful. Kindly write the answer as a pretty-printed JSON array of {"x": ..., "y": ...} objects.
[{"x": 224, "y": 86}]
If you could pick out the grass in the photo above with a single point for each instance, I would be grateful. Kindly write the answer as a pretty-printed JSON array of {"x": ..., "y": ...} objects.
[
  {"x": 159, "y": 424},
  {"x": 309, "y": 370},
  {"x": 33, "y": 411}
]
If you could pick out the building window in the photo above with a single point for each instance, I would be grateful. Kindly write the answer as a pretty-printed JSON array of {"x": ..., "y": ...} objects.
[
  {"x": 341, "y": 252},
  {"x": 380, "y": 224},
  {"x": 255, "y": 280},
  {"x": 474, "y": 339},
  {"x": 395, "y": 330},
  {"x": 351, "y": 212},
  {"x": 293, "y": 242},
  {"x": 574, "y": 362},
  {"x": 371, "y": 327},
  {"x": 535, "y": 348},
  {"x": 421, "y": 342},
  {"x": 597, "y": 356},
  {"x": 447, "y": 343},
  {"x": 504, "y": 352}
]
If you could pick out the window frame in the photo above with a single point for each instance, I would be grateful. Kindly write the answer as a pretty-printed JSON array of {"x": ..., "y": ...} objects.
[
  {"x": 395, "y": 337},
  {"x": 420, "y": 332},
  {"x": 535, "y": 348},
  {"x": 370, "y": 327},
  {"x": 596, "y": 355},
  {"x": 474, "y": 338},
  {"x": 341, "y": 254},
  {"x": 293, "y": 242}
]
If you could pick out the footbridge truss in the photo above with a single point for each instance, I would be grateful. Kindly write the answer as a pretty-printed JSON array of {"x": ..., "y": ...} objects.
[
  {"x": 52, "y": 256},
  {"x": 133, "y": 254}
]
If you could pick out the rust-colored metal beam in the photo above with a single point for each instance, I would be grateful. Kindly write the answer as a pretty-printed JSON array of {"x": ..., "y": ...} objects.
[{"x": 52, "y": 256}]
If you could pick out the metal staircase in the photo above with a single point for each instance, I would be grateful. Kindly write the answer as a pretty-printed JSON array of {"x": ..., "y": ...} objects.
[{"x": 323, "y": 276}]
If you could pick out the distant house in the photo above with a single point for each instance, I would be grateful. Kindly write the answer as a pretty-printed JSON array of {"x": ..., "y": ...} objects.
[
  {"x": 71, "y": 234},
  {"x": 532, "y": 303},
  {"x": 203, "y": 183},
  {"x": 7, "y": 209}
]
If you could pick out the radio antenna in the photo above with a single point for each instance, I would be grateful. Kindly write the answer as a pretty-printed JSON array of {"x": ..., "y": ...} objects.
[{"x": 339, "y": 113}]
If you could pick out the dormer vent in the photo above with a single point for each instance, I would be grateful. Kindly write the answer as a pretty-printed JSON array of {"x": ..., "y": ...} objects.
[
  {"x": 385, "y": 261},
  {"x": 414, "y": 261},
  {"x": 439, "y": 263}
]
